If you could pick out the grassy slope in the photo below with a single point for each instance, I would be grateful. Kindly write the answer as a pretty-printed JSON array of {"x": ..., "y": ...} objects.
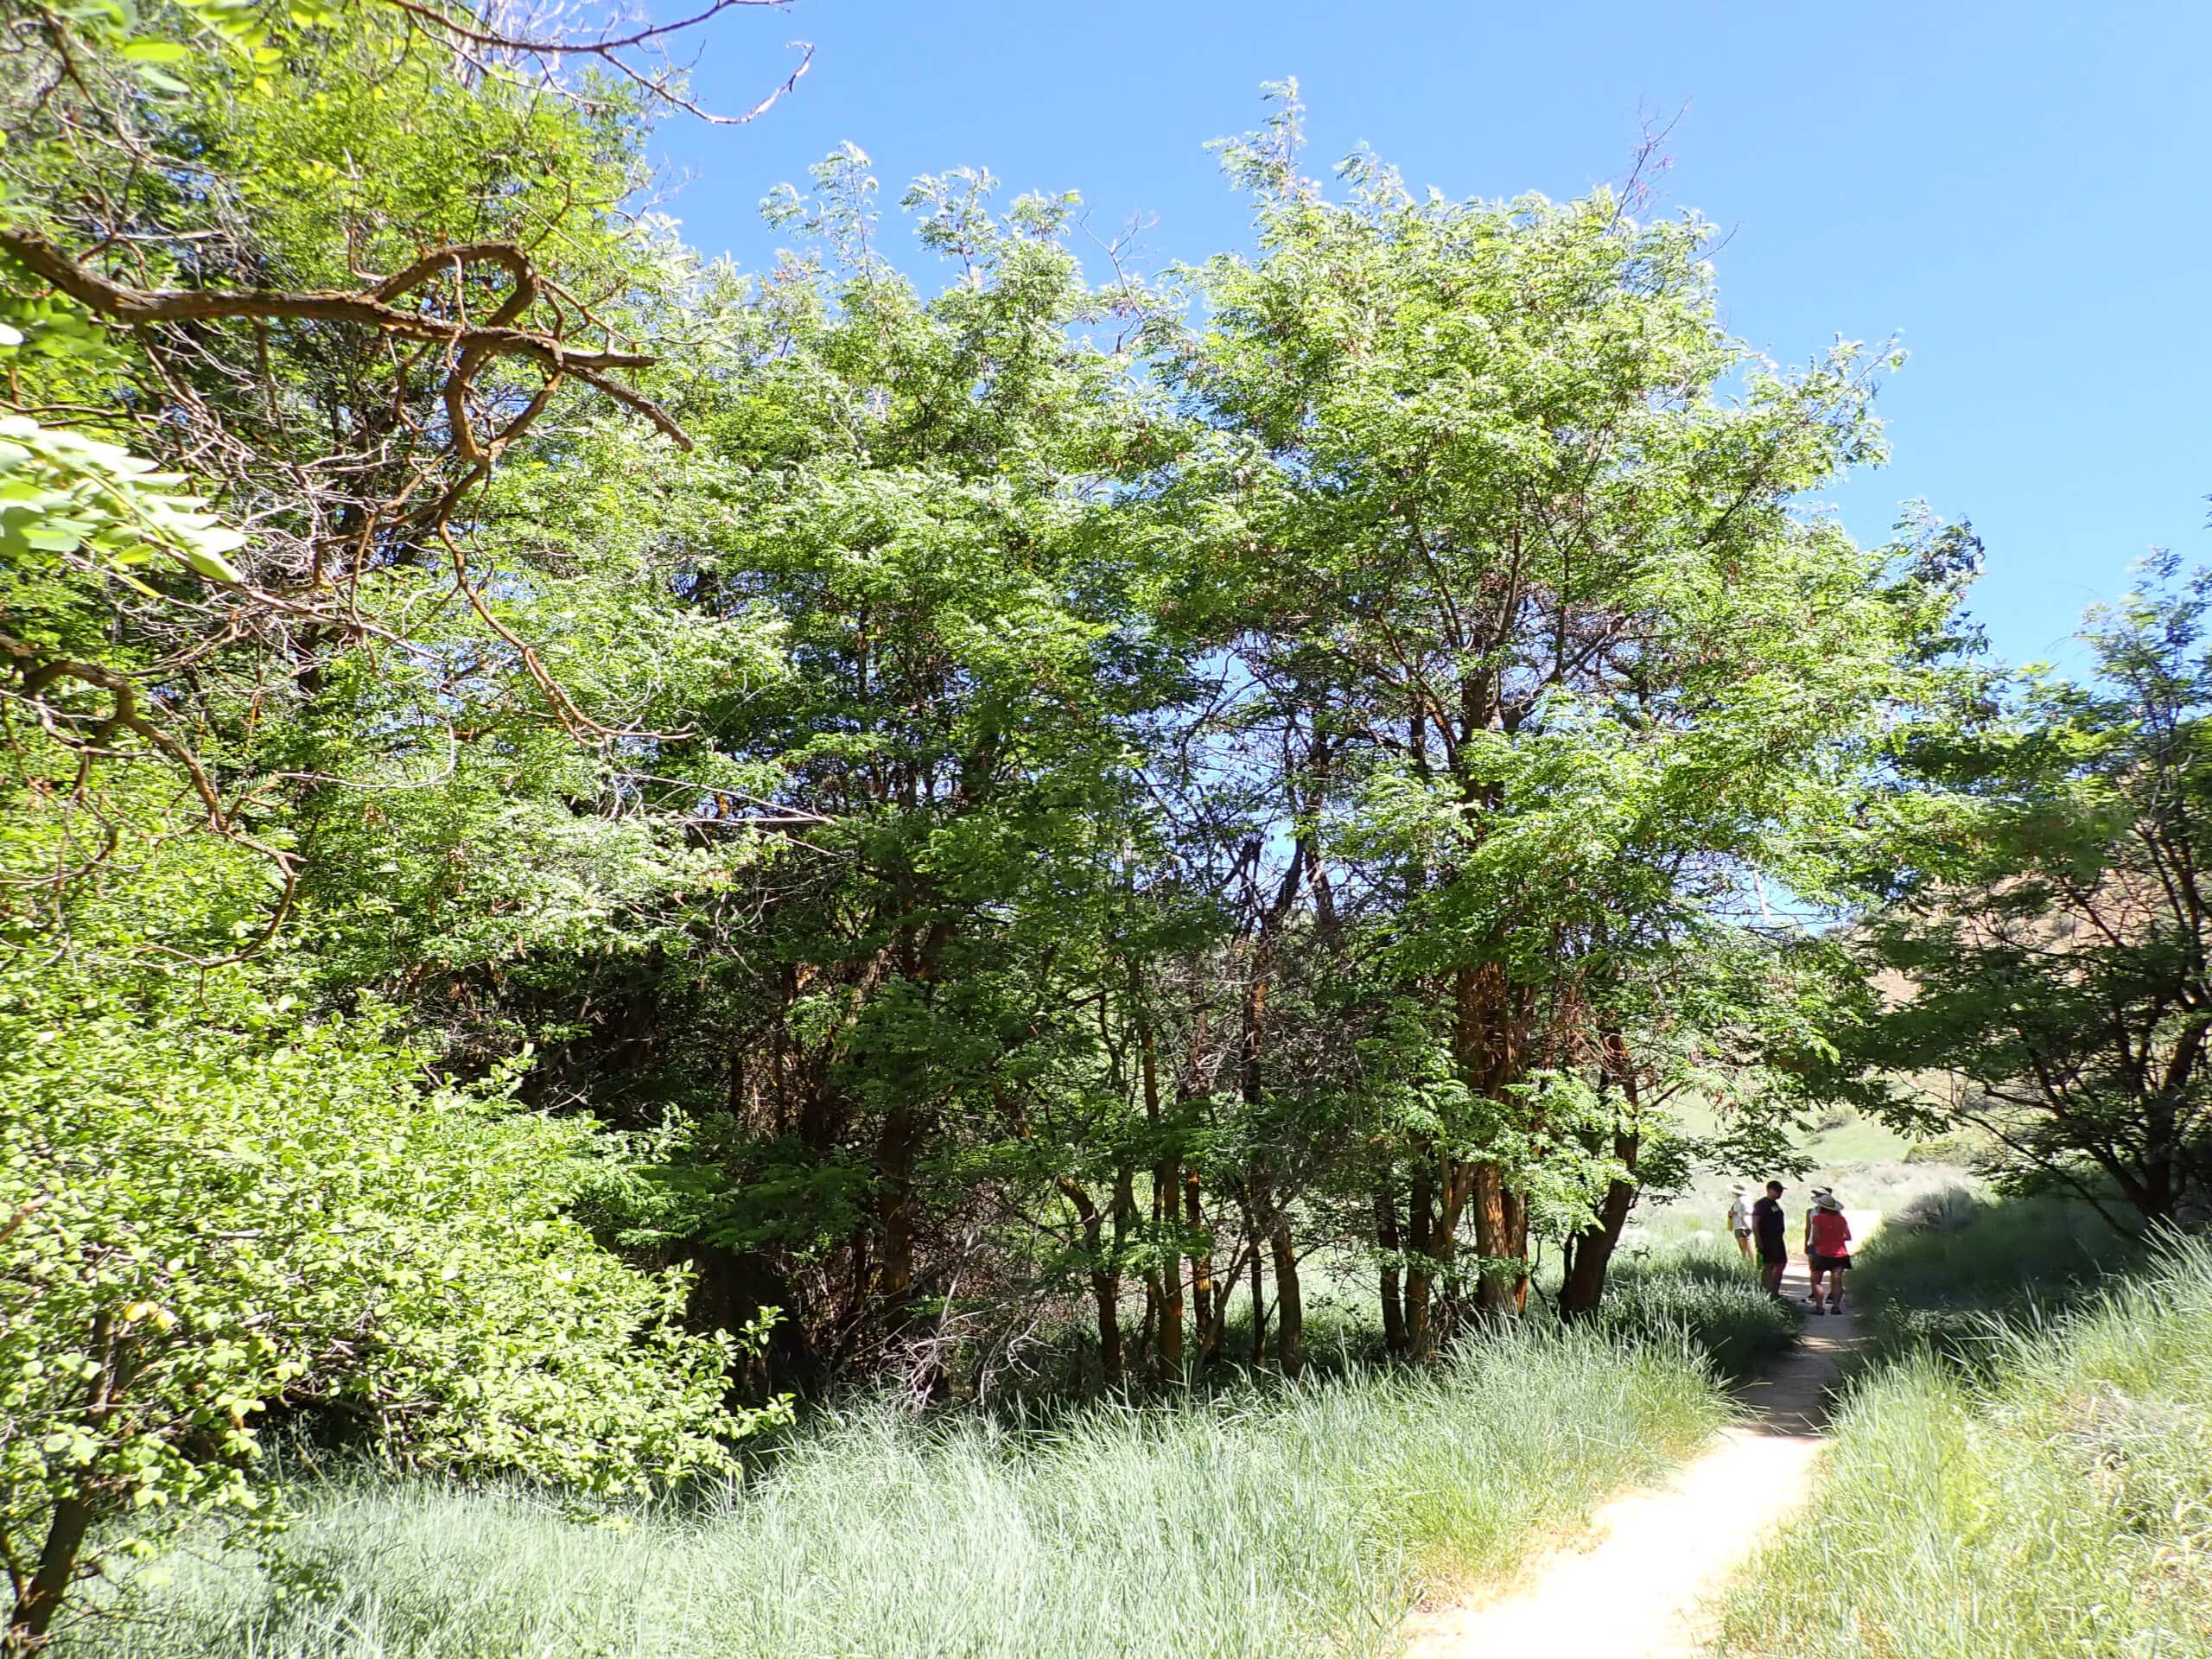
[
  {"x": 1937, "y": 1279},
  {"x": 2054, "y": 1499},
  {"x": 1298, "y": 1524}
]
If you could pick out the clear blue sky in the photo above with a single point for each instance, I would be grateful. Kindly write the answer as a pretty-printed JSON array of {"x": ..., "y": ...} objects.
[{"x": 2018, "y": 191}]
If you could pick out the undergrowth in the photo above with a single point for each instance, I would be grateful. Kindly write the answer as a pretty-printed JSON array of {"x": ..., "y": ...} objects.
[
  {"x": 1943, "y": 1268},
  {"x": 1294, "y": 1523},
  {"x": 1707, "y": 1293}
]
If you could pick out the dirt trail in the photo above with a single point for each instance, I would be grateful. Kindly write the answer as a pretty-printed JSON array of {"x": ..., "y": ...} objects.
[{"x": 1640, "y": 1584}]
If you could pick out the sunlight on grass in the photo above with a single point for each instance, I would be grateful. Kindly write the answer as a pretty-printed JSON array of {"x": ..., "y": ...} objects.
[
  {"x": 2057, "y": 1507},
  {"x": 1298, "y": 1522}
]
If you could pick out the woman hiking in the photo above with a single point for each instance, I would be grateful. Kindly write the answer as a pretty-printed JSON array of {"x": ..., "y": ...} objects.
[
  {"x": 1830, "y": 1230},
  {"x": 1812, "y": 1268},
  {"x": 1739, "y": 1218}
]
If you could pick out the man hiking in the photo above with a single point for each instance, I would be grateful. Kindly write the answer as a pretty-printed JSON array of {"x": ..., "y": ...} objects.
[
  {"x": 1831, "y": 1249},
  {"x": 1774, "y": 1251},
  {"x": 1739, "y": 1218}
]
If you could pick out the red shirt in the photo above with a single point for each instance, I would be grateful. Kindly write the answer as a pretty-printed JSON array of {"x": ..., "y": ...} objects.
[{"x": 1831, "y": 1233}]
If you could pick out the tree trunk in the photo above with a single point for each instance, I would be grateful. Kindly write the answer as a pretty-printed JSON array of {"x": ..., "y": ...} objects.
[
  {"x": 1290, "y": 1306},
  {"x": 1259, "y": 1315},
  {"x": 1500, "y": 1235},
  {"x": 1148, "y": 1333},
  {"x": 1125, "y": 1208},
  {"x": 1584, "y": 1286},
  {"x": 1164, "y": 1184},
  {"x": 1421, "y": 1340},
  {"x": 1517, "y": 1232},
  {"x": 1106, "y": 1290},
  {"x": 1105, "y": 1282},
  {"x": 1386, "y": 1241},
  {"x": 894, "y": 1158},
  {"x": 41, "y": 1597},
  {"x": 1194, "y": 1218}
]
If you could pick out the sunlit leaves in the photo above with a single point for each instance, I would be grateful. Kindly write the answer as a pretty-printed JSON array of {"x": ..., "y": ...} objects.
[{"x": 64, "y": 494}]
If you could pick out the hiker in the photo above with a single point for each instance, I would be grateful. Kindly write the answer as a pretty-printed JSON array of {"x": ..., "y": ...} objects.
[
  {"x": 1768, "y": 1222},
  {"x": 1812, "y": 1268},
  {"x": 1831, "y": 1234},
  {"x": 1739, "y": 1218}
]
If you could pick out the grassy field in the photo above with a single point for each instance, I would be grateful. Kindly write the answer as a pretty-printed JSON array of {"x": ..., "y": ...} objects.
[
  {"x": 1298, "y": 1522},
  {"x": 1254, "y": 1521},
  {"x": 2054, "y": 1498}
]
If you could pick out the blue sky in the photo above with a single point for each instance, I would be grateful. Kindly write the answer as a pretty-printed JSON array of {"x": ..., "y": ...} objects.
[{"x": 2016, "y": 191}]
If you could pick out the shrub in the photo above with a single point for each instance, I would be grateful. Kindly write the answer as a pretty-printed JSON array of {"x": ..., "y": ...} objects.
[
  {"x": 1703, "y": 1296},
  {"x": 1943, "y": 1210},
  {"x": 218, "y": 1211}
]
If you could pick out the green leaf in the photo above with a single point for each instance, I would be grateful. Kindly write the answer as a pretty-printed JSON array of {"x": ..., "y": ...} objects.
[{"x": 211, "y": 565}]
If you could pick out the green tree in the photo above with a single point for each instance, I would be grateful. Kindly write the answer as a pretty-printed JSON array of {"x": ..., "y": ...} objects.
[
  {"x": 1480, "y": 498},
  {"x": 2040, "y": 979},
  {"x": 278, "y": 285},
  {"x": 867, "y": 1056}
]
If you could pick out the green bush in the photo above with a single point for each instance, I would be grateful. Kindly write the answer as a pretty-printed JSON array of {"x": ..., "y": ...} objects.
[
  {"x": 1706, "y": 1296},
  {"x": 220, "y": 1211},
  {"x": 2054, "y": 1505},
  {"x": 1298, "y": 1522}
]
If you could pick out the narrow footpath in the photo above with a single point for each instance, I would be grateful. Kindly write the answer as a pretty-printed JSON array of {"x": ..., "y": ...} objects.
[{"x": 1642, "y": 1582}]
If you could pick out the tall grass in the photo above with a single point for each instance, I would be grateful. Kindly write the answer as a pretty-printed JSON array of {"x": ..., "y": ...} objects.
[
  {"x": 1706, "y": 1294},
  {"x": 2056, "y": 1502},
  {"x": 1299, "y": 1522},
  {"x": 1941, "y": 1265}
]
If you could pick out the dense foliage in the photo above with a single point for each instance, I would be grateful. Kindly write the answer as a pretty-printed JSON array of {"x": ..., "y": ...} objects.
[
  {"x": 237, "y": 1197},
  {"x": 2045, "y": 963}
]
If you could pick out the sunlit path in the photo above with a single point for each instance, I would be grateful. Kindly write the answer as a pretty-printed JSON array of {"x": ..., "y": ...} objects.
[{"x": 1639, "y": 1585}]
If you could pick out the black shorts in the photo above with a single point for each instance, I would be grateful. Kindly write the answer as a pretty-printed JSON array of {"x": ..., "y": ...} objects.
[
  {"x": 1831, "y": 1263},
  {"x": 1773, "y": 1255}
]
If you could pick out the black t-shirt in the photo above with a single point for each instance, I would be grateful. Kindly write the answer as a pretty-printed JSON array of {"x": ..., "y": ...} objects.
[{"x": 1766, "y": 1222}]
